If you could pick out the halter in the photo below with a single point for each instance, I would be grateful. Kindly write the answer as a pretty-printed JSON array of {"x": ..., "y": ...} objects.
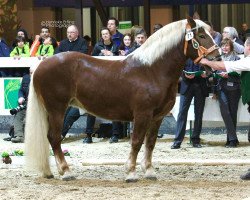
[{"x": 202, "y": 51}]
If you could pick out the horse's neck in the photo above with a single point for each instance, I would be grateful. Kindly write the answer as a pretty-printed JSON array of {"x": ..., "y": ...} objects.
[{"x": 168, "y": 65}]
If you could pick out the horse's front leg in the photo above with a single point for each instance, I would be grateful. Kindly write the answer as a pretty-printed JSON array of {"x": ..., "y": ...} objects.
[
  {"x": 54, "y": 137},
  {"x": 141, "y": 125},
  {"x": 146, "y": 163}
]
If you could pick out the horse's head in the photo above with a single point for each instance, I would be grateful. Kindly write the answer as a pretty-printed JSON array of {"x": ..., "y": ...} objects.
[{"x": 198, "y": 42}]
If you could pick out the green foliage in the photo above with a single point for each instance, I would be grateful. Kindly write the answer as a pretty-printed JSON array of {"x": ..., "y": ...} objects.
[
  {"x": 18, "y": 152},
  {"x": 5, "y": 154}
]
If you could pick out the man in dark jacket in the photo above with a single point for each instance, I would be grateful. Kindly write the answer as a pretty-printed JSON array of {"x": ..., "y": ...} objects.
[
  {"x": 73, "y": 42},
  {"x": 112, "y": 25},
  {"x": 19, "y": 120},
  {"x": 193, "y": 85},
  {"x": 4, "y": 52}
]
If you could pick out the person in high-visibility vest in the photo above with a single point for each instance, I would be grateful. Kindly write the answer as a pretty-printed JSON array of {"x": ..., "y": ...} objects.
[{"x": 39, "y": 39}]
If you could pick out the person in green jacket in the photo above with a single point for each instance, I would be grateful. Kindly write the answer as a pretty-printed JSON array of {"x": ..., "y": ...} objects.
[
  {"x": 21, "y": 50},
  {"x": 242, "y": 65},
  {"x": 46, "y": 49}
]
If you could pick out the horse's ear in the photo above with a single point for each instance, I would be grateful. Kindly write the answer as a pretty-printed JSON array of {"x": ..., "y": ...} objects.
[{"x": 191, "y": 22}]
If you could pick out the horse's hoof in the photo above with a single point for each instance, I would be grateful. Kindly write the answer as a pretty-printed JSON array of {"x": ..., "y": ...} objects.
[
  {"x": 131, "y": 178},
  {"x": 152, "y": 178},
  {"x": 68, "y": 177},
  {"x": 150, "y": 174},
  {"x": 48, "y": 176}
]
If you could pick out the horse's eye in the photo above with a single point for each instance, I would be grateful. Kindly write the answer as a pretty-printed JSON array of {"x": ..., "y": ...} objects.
[{"x": 202, "y": 36}]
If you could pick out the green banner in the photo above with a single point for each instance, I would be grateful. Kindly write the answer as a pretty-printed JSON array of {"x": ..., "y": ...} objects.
[
  {"x": 125, "y": 24},
  {"x": 11, "y": 87}
]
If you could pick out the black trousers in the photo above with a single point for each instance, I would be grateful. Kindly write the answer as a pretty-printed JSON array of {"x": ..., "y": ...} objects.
[
  {"x": 72, "y": 114},
  {"x": 194, "y": 91},
  {"x": 229, "y": 101}
]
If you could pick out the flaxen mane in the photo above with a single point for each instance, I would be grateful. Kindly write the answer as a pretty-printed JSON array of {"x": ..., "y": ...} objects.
[{"x": 167, "y": 37}]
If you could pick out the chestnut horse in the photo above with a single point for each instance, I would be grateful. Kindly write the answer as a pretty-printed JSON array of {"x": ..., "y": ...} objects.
[{"x": 140, "y": 88}]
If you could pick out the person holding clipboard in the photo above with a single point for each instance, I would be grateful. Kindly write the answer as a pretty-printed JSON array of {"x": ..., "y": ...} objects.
[{"x": 193, "y": 85}]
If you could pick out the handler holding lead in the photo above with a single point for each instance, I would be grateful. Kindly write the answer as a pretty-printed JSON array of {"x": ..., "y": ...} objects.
[{"x": 242, "y": 65}]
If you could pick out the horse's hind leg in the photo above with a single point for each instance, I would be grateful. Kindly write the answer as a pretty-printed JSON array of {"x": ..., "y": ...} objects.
[
  {"x": 54, "y": 136},
  {"x": 146, "y": 163},
  {"x": 141, "y": 124}
]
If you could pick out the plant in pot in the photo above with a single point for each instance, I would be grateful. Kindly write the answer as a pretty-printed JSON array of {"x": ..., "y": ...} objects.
[{"x": 6, "y": 158}]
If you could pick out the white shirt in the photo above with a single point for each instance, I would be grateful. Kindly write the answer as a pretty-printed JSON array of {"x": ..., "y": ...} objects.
[{"x": 239, "y": 65}]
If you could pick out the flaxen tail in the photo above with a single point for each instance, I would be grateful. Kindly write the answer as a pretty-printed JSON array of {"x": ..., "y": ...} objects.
[{"x": 36, "y": 130}]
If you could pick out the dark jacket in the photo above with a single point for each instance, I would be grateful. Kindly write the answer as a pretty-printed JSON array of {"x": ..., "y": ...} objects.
[
  {"x": 100, "y": 46},
  {"x": 133, "y": 48},
  {"x": 230, "y": 83},
  {"x": 245, "y": 87},
  {"x": 24, "y": 88},
  {"x": 185, "y": 82},
  {"x": 79, "y": 45},
  {"x": 4, "y": 49},
  {"x": 117, "y": 38}
]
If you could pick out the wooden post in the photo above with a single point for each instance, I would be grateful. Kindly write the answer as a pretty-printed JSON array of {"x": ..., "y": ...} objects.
[
  {"x": 101, "y": 11},
  {"x": 147, "y": 16}
]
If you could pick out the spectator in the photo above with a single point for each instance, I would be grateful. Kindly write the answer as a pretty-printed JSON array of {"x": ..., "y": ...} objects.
[
  {"x": 126, "y": 44},
  {"x": 216, "y": 35},
  {"x": 21, "y": 50},
  {"x": 45, "y": 33},
  {"x": 4, "y": 49},
  {"x": 105, "y": 47},
  {"x": 39, "y": 39},
  {"x": 89, "y": 42},
  {"x": 113, "y": 25},
  {"x": 196, "y": 15},
  {"x": 135, "y": 29},
  {"x": 4, "y": 52},
  {"x": 157, "y": 27},
  {"x": 192, "y": 86},
  {"x": 19, "y": 119},
  {"x": 45, "y": 49},
  {"x": 73, "y": 43},
  {"x": 140, "y": 38},
  {"x": 20, "y": 72},
  {"x": 242, "y": 65},
  {"x": 232, "y": 34},
  {"x": 23, "y": 33},
  {"x": 242, "y": 33},
  {"x": 228, "y": 91}
]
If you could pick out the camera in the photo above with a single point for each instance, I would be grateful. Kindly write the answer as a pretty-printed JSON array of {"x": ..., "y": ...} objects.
[{"x": 14, "y": 111}]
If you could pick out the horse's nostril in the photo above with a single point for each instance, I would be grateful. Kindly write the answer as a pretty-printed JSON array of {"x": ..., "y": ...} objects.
[{"x": 218, "y": 59}]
